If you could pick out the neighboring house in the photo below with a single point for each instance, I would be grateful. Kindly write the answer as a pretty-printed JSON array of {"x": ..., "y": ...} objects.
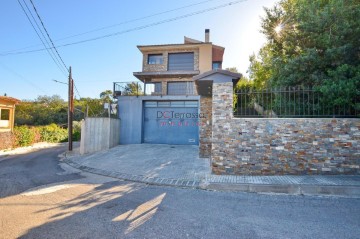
[
  {"x": 7, "y": 117},
  {"x": 175, "y": 108}
]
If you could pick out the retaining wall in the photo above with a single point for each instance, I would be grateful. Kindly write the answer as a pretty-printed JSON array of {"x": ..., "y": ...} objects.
[
  {"x": 280, "y": 146},
  {"x": 99, "y": 134}
]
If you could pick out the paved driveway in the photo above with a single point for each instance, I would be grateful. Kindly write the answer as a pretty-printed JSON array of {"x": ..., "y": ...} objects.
[
  {"x": 180, "y": 165},
  {"x": 151, "y": 160}
]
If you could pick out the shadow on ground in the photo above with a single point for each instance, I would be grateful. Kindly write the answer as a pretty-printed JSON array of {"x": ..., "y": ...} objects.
[
  {"x": 19, "y": 173},
  {"x": 108, "y": 210}
]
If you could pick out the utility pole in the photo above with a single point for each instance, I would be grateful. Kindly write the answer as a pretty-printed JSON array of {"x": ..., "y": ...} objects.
[{"x": 70, "y": 110}]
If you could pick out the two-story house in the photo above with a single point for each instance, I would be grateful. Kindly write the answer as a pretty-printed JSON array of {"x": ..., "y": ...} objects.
[
  {"x": 170, "y": 68},
  {"x": 175, "y": 108}
]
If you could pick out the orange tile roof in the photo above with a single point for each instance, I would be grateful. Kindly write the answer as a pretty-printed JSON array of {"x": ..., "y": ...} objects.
[{"x": 11, "y": 99}]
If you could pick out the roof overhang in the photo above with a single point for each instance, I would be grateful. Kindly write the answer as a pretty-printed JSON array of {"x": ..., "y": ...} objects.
[
  {"x": 204, "y": 81},
  {"x": 10, "y": 99},
  {"x": 170, "y": 47},
  {"x": 164, "y": 74}
]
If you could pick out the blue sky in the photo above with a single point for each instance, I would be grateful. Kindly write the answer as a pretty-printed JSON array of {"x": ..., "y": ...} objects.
[{"x": 96, "y": 64}]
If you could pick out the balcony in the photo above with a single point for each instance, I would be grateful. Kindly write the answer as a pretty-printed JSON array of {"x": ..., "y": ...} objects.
[
  {"x": 143, "y": 76},
  {"x": 153, "y": 88}
]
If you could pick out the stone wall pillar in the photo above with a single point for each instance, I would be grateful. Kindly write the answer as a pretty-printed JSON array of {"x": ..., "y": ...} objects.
[
  {"x": 205, "y": 127},
  {"x": 222, "y": 114}
]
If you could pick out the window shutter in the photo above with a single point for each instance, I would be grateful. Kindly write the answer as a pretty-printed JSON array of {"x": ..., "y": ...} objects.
[{"x": 181, "y": 61}]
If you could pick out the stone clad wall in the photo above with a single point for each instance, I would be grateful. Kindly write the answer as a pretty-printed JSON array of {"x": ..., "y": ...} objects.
[
  {"x": 281, "y": 146},
  {"x": 164, "y": 66},
  {"x": 205, "y": 127}
]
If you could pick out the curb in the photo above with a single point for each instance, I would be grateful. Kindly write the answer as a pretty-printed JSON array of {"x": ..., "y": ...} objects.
[
  {"x": 182, "y": 183},
  {"x": 291, "y": 189}
]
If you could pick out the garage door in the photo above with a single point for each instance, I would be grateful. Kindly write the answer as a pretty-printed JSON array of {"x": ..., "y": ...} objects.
[{"x": 171, "y": 122}]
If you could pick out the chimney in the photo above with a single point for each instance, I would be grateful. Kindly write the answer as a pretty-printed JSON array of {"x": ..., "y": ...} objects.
[{"x": 207, "y": 35}]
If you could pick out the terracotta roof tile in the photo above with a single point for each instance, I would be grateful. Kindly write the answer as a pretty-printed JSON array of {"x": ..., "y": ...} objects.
[{"x": 11, "y": 99}]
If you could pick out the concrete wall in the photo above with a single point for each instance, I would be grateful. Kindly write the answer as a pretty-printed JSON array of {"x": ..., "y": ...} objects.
[
  {"x": 280, "y": 146},
  {"x": 130, "y": 110},
  {"x": 99, "y": 134}
]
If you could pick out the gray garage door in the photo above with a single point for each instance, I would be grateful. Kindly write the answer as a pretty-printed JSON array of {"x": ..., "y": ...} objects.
[{"x": 171, "y": 122}]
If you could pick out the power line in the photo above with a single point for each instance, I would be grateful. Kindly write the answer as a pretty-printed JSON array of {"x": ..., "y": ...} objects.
[
  {"x": 52, "y": 43},
  {"x": 77, "y": 90},
  {"x": 118, "y": 24},
  {"x": 51, "y": 52},
  {"x": 134, "y": 29},
  {"x": 135, "y": 19},
  {"x": 60, "y": 82},
  {"x": 22, "y": 77},
  {"x": 37, "y": 33}
]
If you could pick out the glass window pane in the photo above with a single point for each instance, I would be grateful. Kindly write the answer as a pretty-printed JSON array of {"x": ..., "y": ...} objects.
[
  {"x": 191, "y": 104},
  {"x": 216, "y": 65},
  {"x": 150, "y": 104},
  {"x": 177, "y": 104},
  {"x": 163, "y": 104},
  {"x": 158, "y": 88},
  {"x": 5, "y": 114},
  {"x": 155, "y": 59}
]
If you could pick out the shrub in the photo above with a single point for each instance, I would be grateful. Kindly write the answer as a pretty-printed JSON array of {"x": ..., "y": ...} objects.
[
  {"x": 52, "y": 133},
  {"x": 76, "y": 130},
  {"x": 24, "y": 136}
]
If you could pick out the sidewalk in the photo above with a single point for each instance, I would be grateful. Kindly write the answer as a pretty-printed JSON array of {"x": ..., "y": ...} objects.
[{"x": 180, "y": 166}]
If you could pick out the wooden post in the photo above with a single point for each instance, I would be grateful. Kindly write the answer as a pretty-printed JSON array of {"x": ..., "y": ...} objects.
[{"x": 70, "y": 109}]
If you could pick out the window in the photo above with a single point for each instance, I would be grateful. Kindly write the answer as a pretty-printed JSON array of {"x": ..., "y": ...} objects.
[
  {"x": 158, "y": 88},
  {"x": 155, "y": 59},
  {"x": 181, "y": 61},
  {"x": 153, "y": 88},
  {"x": 216, "y": 65},
  {"x": 180, "y": 88},
  {"x": 5, "y": 114}
]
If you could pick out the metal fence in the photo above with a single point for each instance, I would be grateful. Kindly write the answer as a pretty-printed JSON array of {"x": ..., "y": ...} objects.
[{"x": 295, "y": 102}]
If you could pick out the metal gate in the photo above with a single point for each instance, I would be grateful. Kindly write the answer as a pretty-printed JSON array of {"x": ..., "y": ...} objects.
[{"x": 171, "y": 122}]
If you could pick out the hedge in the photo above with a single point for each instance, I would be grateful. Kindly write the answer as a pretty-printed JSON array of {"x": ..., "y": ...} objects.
[{"x": 28, "y": 135}]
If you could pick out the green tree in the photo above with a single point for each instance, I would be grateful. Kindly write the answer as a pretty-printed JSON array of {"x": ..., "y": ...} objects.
[
  {"x": 133, "y": 88},
  {"x": 311, "y": 43},
  {"x": 107, "y": 96},
  {"x": 42, "y": 111},
  {"x": 232, "y": 69},
  {"x": 45, "y": 110}
]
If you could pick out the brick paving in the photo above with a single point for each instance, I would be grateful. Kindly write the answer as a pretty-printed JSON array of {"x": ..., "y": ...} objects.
[{"x": 180, "y": 166}]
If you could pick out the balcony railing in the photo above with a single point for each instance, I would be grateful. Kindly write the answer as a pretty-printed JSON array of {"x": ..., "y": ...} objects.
[
  {"x": 153, "y": 88},
  {"x": 128, "y": 88}
]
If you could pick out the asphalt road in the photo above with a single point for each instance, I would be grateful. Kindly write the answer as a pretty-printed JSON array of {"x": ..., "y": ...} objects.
[{"x": 46, "y": 199}]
